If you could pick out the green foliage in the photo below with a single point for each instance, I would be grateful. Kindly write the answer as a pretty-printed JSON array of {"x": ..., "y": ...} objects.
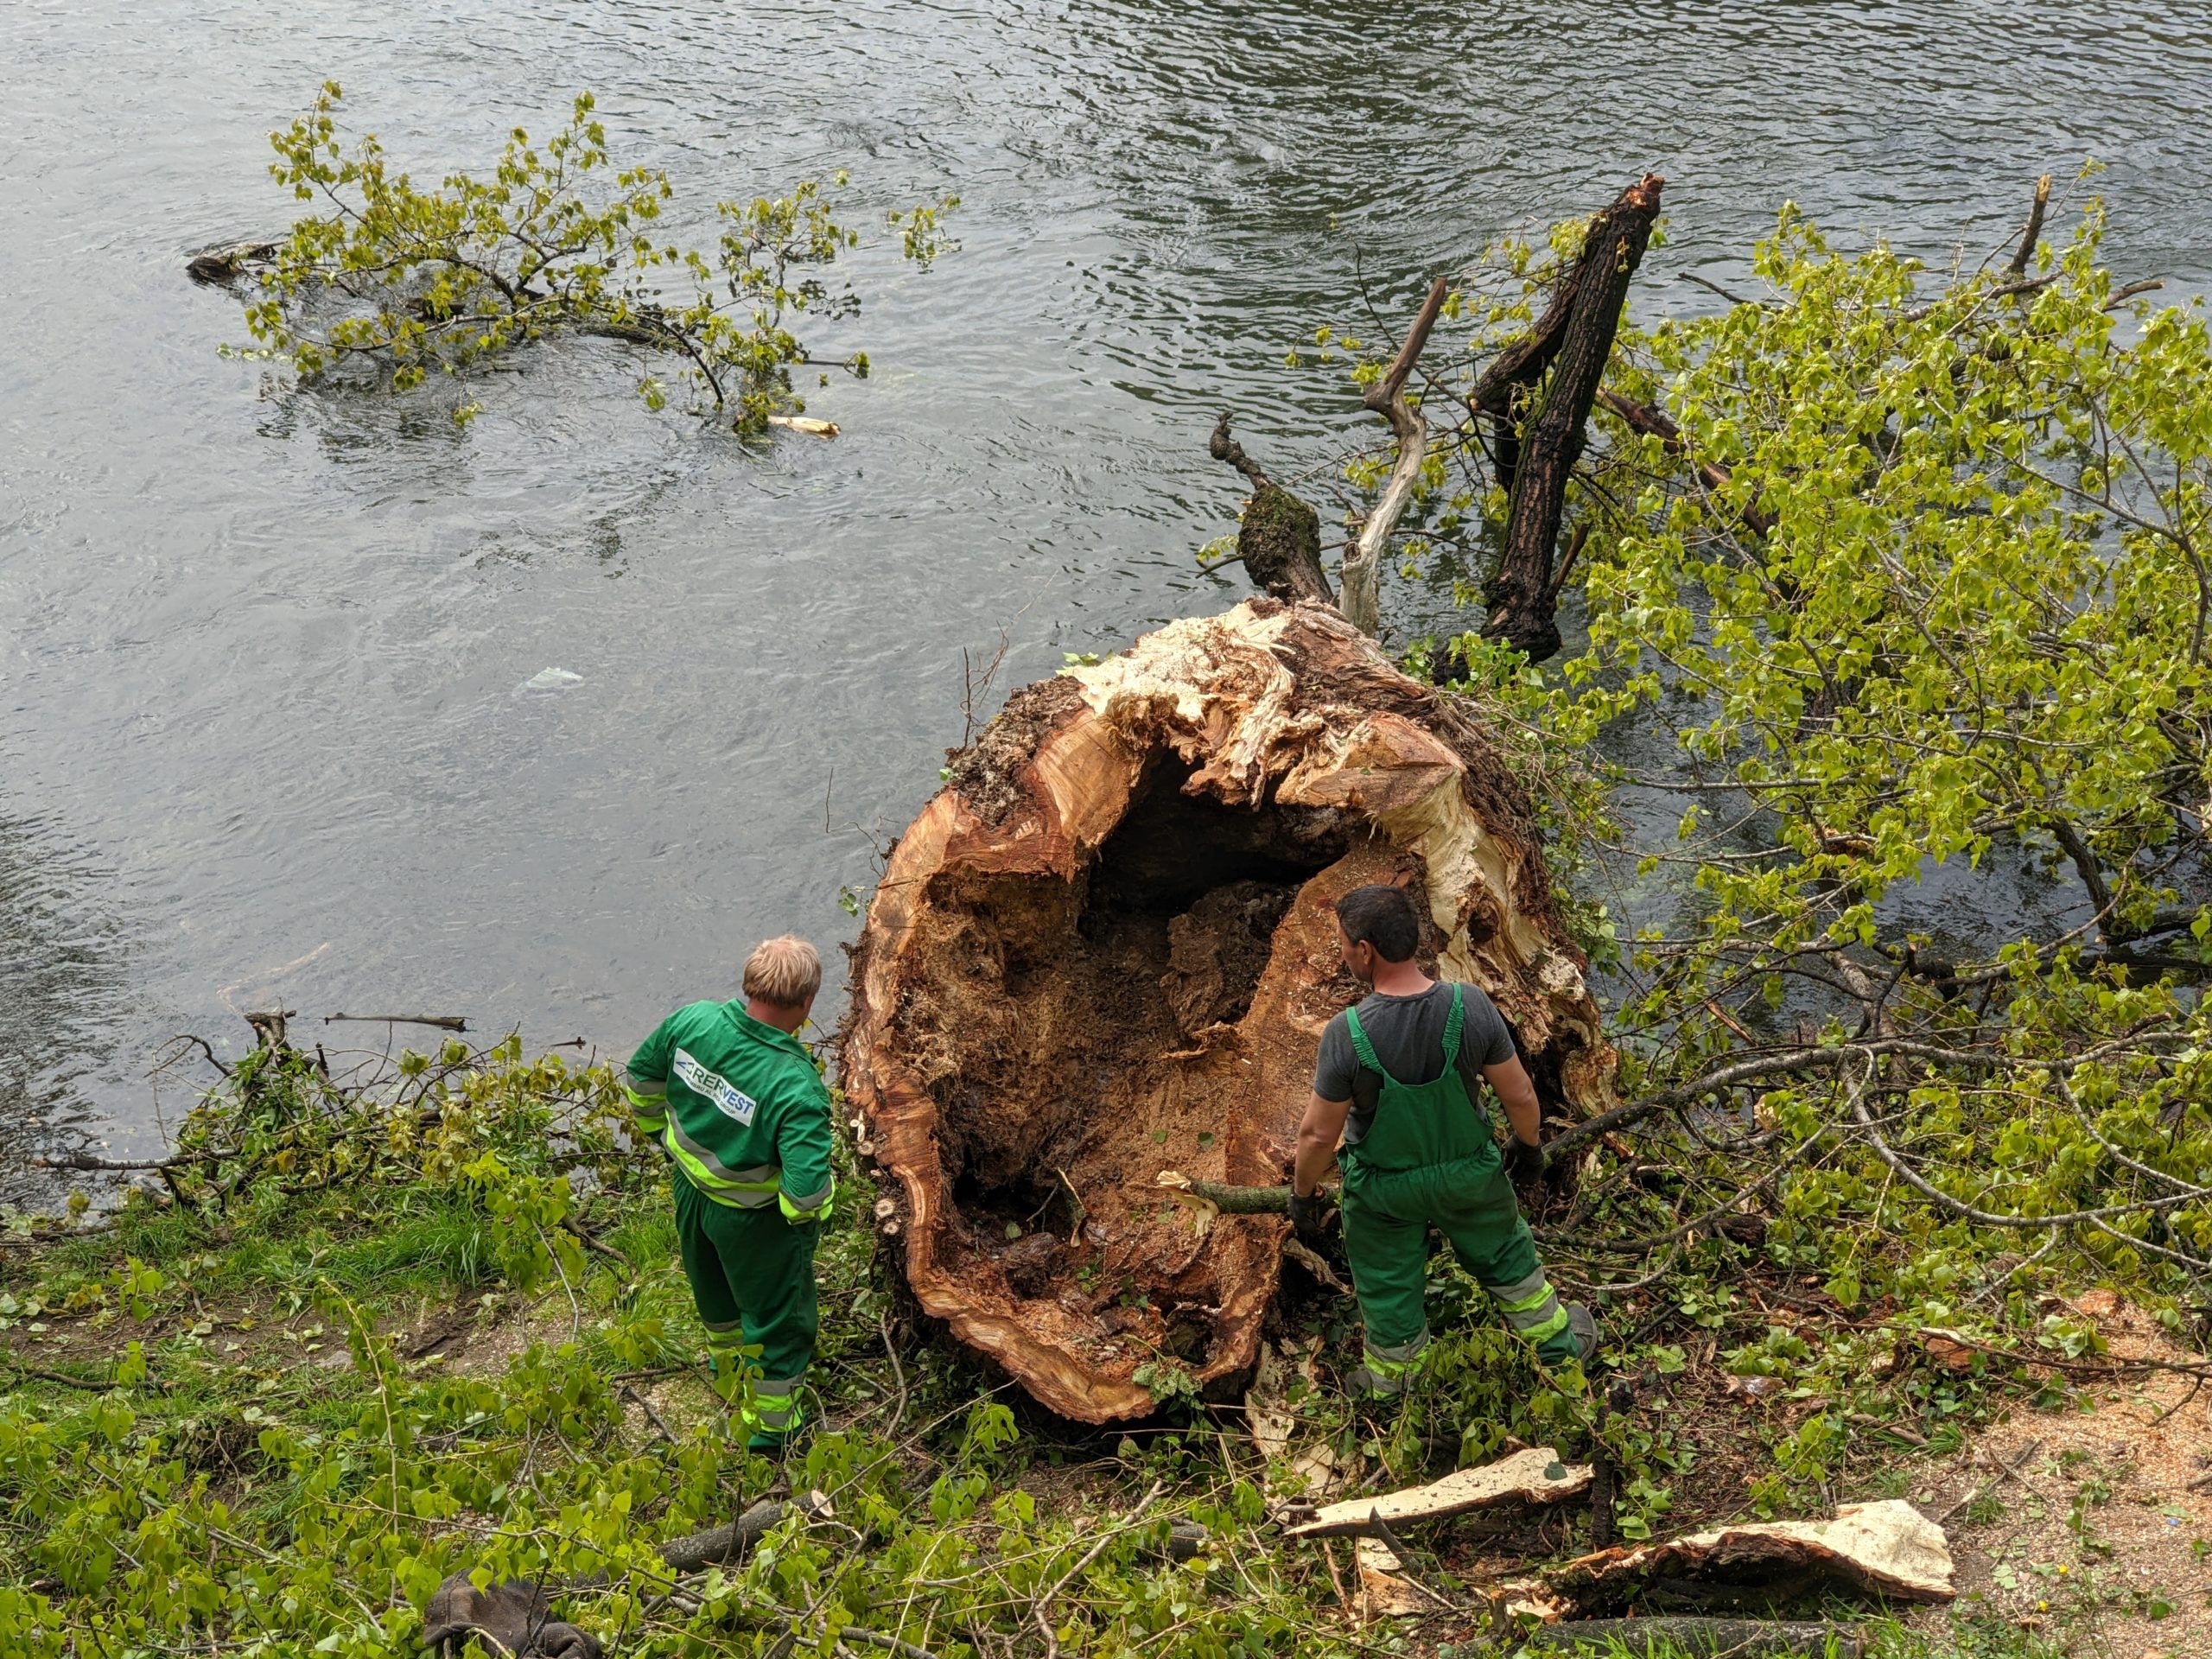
[
  {"x": 275, "y": 1467},
  {"x": 557, "y": 240}
]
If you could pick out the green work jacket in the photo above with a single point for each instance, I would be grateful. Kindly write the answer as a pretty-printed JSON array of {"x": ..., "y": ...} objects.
[{"x": 740, "y": 1107}]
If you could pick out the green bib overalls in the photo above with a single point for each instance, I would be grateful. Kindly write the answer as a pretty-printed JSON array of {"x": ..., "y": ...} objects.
[{"x": 1430, "y": 1157}]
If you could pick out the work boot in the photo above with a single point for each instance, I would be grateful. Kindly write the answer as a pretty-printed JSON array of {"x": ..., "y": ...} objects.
[{"x": 1584, "y": 1324}]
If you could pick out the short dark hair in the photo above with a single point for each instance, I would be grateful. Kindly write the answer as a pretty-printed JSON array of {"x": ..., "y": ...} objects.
[{"x": 1384, "y": 917}]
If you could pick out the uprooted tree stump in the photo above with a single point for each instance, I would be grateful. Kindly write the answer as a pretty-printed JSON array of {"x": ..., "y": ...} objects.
[{"x": 1107, "y": 949}]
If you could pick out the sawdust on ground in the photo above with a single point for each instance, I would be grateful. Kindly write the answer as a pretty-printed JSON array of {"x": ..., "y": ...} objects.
[{"x": 2090, "y": 1523}]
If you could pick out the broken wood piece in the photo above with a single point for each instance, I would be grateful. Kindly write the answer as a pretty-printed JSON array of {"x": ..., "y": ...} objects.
[
  {"x": 1383, "y": 1593},
  {"x": 1698, "y": 1638},
  {"x": 805, "y": 424},
  {"x": 1535, "y": 1475},
  {"x": 1226, "y": 1198},
  {"x": 1886, "y": 1546}
]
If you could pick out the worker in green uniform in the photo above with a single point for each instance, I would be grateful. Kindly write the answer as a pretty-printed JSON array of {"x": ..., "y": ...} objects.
[
  {"x": 736, "y": 1102},
  {"x": 1396, "y": 1081}
]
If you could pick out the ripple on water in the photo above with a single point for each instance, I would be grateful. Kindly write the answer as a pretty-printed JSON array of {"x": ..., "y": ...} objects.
[{"x": 257, "y": 651}]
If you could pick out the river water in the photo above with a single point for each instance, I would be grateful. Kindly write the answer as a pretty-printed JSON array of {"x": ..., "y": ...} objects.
[{"x": 266, "y": 728}]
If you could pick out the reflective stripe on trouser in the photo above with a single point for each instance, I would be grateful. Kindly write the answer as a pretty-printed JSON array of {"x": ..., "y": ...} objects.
[
  {"x": 752, "y": 1276},
  {"x": 1531, "y": 1306},
  {"x": 1384, "y": 1371},
  {"x": 1386, "y": 1216}
]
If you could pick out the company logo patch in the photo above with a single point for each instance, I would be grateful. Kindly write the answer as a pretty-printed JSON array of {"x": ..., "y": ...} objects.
[{"x": 732, "y": 1102}]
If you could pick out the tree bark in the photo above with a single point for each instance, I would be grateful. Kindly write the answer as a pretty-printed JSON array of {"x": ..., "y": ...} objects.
[
  {"x": 1522, "y": 597},
  {"x": 1103, "y": 951},
  {"x": 1517, "y": 369},
  {"x": 1387, "y": 398}
]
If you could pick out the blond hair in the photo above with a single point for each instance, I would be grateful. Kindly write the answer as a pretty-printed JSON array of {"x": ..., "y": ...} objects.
[{"x": 786, "y": 972}]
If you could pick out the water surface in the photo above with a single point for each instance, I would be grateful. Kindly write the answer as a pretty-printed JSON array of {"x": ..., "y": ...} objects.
[{"x": 263, "y": 737}]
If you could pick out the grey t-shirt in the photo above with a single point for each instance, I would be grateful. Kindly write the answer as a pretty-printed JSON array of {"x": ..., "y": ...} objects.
[{"x": 1407, "y": 1032}]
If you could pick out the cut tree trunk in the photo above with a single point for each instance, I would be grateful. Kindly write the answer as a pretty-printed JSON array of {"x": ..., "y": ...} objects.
[
  {"x": 1106, "y": 951},
  {"x": 1524, "y": 597}
]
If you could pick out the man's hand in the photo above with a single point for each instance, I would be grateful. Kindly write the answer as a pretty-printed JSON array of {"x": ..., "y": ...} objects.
[
  {"x": 1308, "y": 1214},
  {"x": 1524, "y": 1162}
]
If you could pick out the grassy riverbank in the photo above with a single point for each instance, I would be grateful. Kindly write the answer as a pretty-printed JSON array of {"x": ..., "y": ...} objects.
[{"x": 354, "y": 1339}]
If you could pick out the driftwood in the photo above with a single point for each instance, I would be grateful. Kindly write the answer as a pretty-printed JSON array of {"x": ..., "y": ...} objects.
[
  {"x": 226, "y": 261},
  {"x": 1106, "y": 951},
  {"x": 1523, "y": 597},
  {"x": 1535, "y": 1475},
  {"x": 442, "y": 1021},
  {"x": 1279, "y": 538},
  {"x": 1387, "y": 398},
  {"x": 1699, "y": 1638}
]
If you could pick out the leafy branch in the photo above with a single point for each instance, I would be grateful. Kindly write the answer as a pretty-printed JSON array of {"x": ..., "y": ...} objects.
[{"x": 403, "y": 281}]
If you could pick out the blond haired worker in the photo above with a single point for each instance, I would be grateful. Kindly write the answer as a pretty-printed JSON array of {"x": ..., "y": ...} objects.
[{"x": 734, "y": 1098}]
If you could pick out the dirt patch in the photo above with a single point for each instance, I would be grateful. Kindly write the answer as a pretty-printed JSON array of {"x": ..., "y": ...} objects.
[{"x": 2091, "y": 1523}]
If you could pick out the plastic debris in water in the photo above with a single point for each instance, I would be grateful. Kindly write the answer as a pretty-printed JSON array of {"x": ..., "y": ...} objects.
[{"x": 549, "y": 679}]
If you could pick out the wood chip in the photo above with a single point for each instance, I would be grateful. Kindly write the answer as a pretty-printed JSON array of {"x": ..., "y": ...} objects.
[{"x": 1535, "y": 1475}]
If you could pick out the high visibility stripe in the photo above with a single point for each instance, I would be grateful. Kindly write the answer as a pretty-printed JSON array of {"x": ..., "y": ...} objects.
[
  {"x": 649, "y": 1106},
  {"x": 1397, "y": 1358},
  {"x": 1545, "y": 1330},
  {"x": 743, "y": 1189},
  {"x": 1517, "y": 1294},
  {"x": 797, "y": 1210}
]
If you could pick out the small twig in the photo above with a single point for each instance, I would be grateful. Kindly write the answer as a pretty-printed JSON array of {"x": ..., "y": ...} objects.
[
  {"x": 652, "y": 1416},
  {"x": 1040, "y": 1611},
  {"x": 1733, "y": 298},
  {"x": 898, "y": 1372}
]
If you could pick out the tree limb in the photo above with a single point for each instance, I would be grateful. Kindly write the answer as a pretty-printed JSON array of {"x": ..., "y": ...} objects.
[{"x": 1387, "y": 398}]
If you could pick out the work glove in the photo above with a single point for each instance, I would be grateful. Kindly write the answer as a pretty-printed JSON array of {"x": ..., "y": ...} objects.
[
  {"x": 1306, "y": 1216},
  {"x": 1524, "y": 1162}
]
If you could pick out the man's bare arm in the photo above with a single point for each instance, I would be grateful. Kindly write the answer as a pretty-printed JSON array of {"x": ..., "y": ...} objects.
[
  {"x": 1319, "y": 1131},
  {"x": 1510, "y": 1079}
]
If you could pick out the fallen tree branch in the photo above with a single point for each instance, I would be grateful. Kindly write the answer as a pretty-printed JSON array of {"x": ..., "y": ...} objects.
[
  {"x": 1521, "y": 610},
  {"x": 1279, "y": 536},
  {"x": 1653, "y": 423},
  {"x": 1387, "y": 398},
  {"x": 442, "y": 1021},
  {"x": 2027, "y": 251},
  {"x": 1513, "y": 373}
]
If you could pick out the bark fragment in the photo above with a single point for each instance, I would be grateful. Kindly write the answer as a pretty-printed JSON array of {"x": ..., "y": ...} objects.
[{"x": 1061, "y": 989}]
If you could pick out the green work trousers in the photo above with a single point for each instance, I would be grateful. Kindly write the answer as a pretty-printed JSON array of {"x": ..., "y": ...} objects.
[
  {"x": 1387, "y": 1215},
  {"x": 751, "y": 1274}
]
